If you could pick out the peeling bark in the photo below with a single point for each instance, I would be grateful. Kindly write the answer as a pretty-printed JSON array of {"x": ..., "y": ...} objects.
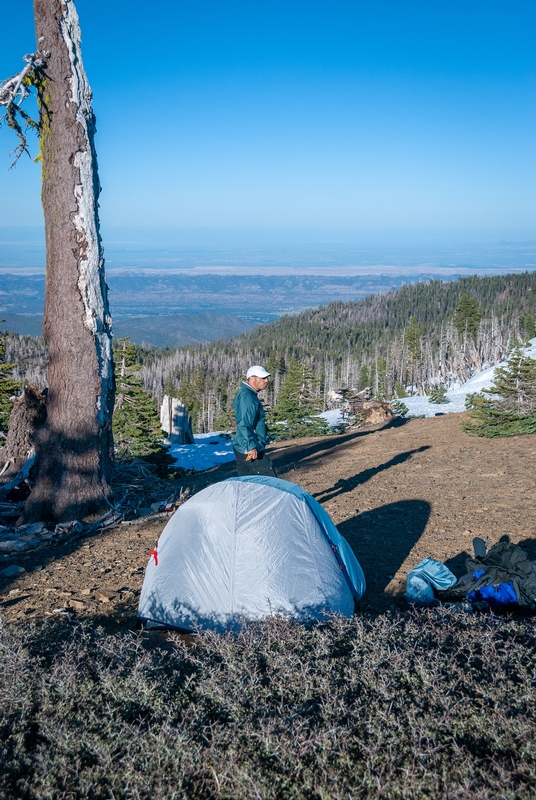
[{"x": 75, "y": 447}]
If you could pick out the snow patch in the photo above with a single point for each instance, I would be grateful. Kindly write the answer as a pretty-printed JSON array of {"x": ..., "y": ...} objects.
[
  {"x": 209, "y": 450},
  {"x": 332, "y": 417},
  {"x": 419, "y": 406}
]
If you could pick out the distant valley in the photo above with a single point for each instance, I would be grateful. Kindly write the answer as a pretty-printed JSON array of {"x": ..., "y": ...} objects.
[
  {"x": 254, "y": 275},
  {"x": 256, "y": 296},
  {"x": 161, "y": 331}
]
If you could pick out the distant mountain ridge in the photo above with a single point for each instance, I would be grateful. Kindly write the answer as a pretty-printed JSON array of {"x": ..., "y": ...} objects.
[
  {"x": 164, "y": 331},
  {"x": 181, "y": 329},
  {"x": 23, "y": 324}
]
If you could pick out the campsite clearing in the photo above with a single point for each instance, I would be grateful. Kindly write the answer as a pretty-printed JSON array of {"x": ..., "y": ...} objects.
[{"x": 397, "y": 494}]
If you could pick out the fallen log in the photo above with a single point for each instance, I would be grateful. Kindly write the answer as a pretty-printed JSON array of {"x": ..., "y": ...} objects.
[{"x": 37, "y": 535}]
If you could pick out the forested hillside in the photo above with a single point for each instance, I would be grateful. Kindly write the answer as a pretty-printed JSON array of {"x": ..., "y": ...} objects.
[
  {"x": 418, "y": 335},
  {"x": 330, "y": 329},
  {"x": 411, "y": 335}
]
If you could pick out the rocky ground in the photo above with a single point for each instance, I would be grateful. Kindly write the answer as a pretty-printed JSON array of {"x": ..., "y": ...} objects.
[{"x": 414, "y": 489}]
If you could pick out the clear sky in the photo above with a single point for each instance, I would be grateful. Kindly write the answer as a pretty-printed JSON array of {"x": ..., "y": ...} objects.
[{"x": 301, "y": 113}]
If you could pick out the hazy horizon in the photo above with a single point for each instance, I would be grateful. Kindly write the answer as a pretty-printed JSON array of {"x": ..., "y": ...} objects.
[
  {"x": 164, "y": 248},
  {"x": 258, "y": 274}
]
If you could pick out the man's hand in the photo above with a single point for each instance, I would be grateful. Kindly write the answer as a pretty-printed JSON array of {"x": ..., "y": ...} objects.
[{"x": 251, "y": 455}]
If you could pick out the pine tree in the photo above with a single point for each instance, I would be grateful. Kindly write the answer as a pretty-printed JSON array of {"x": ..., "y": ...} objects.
[
  {"x": 508, "y": 407},
  {"x": 275, "y": 363},
  {"x": 169, "y": 387},
  {"x": 74, "y": 459},
  {"x": 364, "y": 377},
  {"x": 399, "y": 390},
  {"x": 467, "y": 317},
  {"x": 191, "y": 391},
  {"x": 297, "y": 404},
  {"x": 379, "y": 381},
  {"x": 528, "y": 326},
  {"x": 8, "y": 386},
  {"x": 438, "y": 395},
  {"x": 224, "y": 419},
  {"x": 399, "y": 407},
  {"x": 412, "y": 340},
  {"x": 136, "y": 424}
]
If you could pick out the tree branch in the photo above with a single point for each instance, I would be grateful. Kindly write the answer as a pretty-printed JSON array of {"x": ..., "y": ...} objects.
[{"x": 13, "y": 92}]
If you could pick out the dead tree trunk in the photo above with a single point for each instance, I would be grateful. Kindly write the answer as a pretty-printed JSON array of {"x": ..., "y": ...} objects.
[
  {"x": 28, "y": 413},
  {"x": 75, "y": 447},
  {"x": 175, "y": 421}
]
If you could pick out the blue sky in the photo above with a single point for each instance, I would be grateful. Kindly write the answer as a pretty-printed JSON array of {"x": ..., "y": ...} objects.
[{"x": 404, "y": 115}]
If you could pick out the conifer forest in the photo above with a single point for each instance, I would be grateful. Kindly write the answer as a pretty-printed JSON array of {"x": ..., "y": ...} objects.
[{"x": 417, "y": 338}]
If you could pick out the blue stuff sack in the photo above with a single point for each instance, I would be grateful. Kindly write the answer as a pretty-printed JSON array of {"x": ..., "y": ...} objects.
[
  {"x": 424, "y": 578},
  {"x": 497, "y": 597}
]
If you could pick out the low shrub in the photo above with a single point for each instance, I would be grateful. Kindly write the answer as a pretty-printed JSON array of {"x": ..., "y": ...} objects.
[
  {"x": 430, "y": 704},
  {"x": 399, "y": 407}
]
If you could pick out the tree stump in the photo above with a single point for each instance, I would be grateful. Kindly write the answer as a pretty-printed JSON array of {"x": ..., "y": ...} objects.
[
  {"x": 28, "y": 413},
  {"x": 376, "y": 412},
  {"x": 175, "y": 421}
]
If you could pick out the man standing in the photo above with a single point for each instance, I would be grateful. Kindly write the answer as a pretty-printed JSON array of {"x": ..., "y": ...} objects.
[{"x": 249, "y": 443}]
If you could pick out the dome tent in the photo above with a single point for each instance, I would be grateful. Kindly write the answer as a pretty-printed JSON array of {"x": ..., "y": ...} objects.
[{"x": 244, "y": 549}]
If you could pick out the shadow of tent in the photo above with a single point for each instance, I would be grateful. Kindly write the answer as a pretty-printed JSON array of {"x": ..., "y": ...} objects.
[{"x": 382, "y": 539}]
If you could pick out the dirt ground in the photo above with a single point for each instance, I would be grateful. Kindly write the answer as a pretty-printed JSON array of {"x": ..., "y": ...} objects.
[{"x": 400, "y": 493}]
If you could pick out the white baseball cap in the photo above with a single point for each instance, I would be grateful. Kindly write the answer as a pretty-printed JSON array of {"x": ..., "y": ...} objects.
[{"x": 257, "y": 371}]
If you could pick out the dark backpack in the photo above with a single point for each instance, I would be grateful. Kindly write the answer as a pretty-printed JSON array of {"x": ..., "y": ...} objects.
[{"x": 502, "y": 577}]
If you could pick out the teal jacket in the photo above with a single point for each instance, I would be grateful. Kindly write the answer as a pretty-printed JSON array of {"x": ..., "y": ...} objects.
[{"x": 250, "y": 418}]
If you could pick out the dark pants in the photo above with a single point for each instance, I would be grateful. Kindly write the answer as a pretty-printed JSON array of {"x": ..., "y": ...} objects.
[{"x": 262, "y": 465}]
